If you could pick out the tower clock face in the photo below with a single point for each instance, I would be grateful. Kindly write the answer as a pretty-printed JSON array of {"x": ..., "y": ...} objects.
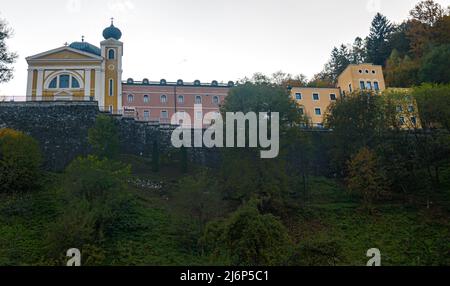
[{"x": 111, "y": 67}]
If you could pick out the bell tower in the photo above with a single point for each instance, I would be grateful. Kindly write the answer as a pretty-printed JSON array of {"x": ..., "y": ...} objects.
[{"x": 112, "y": 52}]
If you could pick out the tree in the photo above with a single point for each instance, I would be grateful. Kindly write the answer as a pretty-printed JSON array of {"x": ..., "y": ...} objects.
[
  {"x": 434, "y": 105},
  {"x": 20, "y": 161},
  {"x": 249, "y": 238},
  {"x": 104, "y": 138},
  {"x": 436, "y": 65},
  {"x": 365, "y": 176},
  {"x": 199, "y": 197},
  {"x": 401, "y": 71},
  {"x": 6, "y": 58},
  {"x": 427, "y": 12},
  {"x": 378, "y": 48},
  {"x": 357, "y": 121}
]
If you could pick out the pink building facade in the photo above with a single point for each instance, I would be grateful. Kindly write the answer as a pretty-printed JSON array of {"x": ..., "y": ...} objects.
[{"x": 159, "y": 101}]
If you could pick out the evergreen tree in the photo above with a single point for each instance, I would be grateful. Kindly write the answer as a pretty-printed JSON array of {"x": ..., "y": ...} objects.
[{"x": 378, "y": 47}]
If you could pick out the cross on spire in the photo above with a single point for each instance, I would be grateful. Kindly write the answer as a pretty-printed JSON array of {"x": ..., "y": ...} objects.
[
  {"x": 82, "y": 38},
  {"x": 112, "y": 21}
]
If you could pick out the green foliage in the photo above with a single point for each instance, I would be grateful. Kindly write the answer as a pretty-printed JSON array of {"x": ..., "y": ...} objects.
[
  {"x": 249, "y": 238},
  {"x": 184, "y": 160},
  {"x": 198, "y": 197},
  {"x": 434, "y": 105},
  {"x": 435, "y": 66},
  {"x": 357, "y": 121},
  {"x": 94, "y": 196},
  {"x": 365, "y": 176},
  {"x": 155, "y": 157},
  {"x": 104, "y": 138},
  {"x": 378, "y": 46},
  {"x": 20, "y": 161},
  {"x": 6, "y": 57}
]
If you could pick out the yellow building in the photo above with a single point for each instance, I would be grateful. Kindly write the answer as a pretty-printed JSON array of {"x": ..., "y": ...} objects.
[
  {"x": 79, "y": 71},
  {"x": 314, "y": 102}
]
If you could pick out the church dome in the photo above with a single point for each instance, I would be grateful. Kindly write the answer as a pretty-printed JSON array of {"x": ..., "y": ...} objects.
[
  {"x": 112, "y": 32},
  {"x": 86, "y": 47}
]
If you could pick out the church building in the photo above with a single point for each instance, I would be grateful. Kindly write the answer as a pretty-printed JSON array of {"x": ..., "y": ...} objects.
[{"x": 79, "y": 71}]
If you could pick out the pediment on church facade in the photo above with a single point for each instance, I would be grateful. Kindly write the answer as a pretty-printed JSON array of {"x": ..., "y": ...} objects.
[{"x": 64, "y": 54}]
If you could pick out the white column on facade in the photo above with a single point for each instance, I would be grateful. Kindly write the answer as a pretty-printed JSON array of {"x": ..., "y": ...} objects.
[
  {"x": 99, "y": 87},
  {"x": 40, "y": 84},
  {"x": 29, "y": 85},
  {"x": 87, "y": 84}
]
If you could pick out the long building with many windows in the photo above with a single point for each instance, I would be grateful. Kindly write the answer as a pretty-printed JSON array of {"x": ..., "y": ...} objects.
[{"x": 84, "y": 72}]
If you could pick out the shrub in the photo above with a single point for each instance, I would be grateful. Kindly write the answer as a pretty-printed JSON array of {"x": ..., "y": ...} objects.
[
  {"x": 20, "y": 161},
  {"x": 104, "y": 138}
]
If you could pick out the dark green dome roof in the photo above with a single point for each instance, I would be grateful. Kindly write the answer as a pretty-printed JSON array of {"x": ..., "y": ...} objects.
[
  {"x": 112, "y": 32},
  {"x": 86, "y": 47}
]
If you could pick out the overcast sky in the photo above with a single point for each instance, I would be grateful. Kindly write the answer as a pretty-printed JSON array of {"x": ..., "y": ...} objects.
[{"x": 197, "y": 39}]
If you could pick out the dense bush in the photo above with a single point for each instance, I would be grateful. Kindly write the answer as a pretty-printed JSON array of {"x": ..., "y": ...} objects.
[
  {"x": 104, "y": 138},
  {"x": 20, "y": 161}
]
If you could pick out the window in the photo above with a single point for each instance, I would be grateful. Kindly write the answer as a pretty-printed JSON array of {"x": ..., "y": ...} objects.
[
  {"x": 333, "y": 97},
  {"x": 362, "y": 85},
  {"x": 360, "y": 71},
  {"x": 164, "y": 114},
  {"x": 146, "y": 115},
  {"x": 350, "y": 88},
  {"x": 198, "y": 100},
  {"x": 130, "y": 98},
  {"x": 315, "y": 96},
  {"x": 64, "y": 81},
  {"x": 298, "y": 96},
  {"x": 75, "y": 83},
  {"x": 318, "y": 111},
  {"x": 163, "y": 99},
  {"x": 376, "y": 85},
  {"x": 399, "y": 108},
  {"x": 111, "y": 87},
  {"x": 374, "y": 72},
  {"x": 181, "y": 99},
  {"x": 367, "y": 71},
  {"x": 215, "y": 100},
  {"x": 301, "y": 111},
  {"x": 53, "y": 83},
  {"x": 146, "y": 99},
  {"x": 369, "y": 85},
  {"x": 413, "y": 121},
  {"x": 402, "y": 120},
  {"x": 411, "y": 108},
  {"x": 111, "y": 54}
]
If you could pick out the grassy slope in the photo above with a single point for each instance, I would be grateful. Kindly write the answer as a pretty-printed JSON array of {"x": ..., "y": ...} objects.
[{"x": 152, "y": 233}]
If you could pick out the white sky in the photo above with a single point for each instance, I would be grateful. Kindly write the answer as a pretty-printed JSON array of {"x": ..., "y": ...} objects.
[{"x": 197, "y": 39}]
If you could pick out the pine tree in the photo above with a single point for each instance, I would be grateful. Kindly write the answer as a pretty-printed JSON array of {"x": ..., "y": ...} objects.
[{"x": 378, "y": 47}]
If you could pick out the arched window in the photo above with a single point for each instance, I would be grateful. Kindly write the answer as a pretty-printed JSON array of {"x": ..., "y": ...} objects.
[
  {"x": 64, "y": 81},
  {"x": 130, "y": 98},
  {"x": 216, "y": 100},
  {"x": 111, "y": 54},
  {"x": 198, "y": 99},
  {"x": 145, "y": 98},
  {"x": 163, "y": 99},
  {"x": 75, "y": 83},
  {"x": 53, "y": 83},
  {"x": 181, "y": 99}
]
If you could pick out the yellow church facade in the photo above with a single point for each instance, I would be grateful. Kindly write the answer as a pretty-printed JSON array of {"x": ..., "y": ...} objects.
[{"x": 79, "y": 72}]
